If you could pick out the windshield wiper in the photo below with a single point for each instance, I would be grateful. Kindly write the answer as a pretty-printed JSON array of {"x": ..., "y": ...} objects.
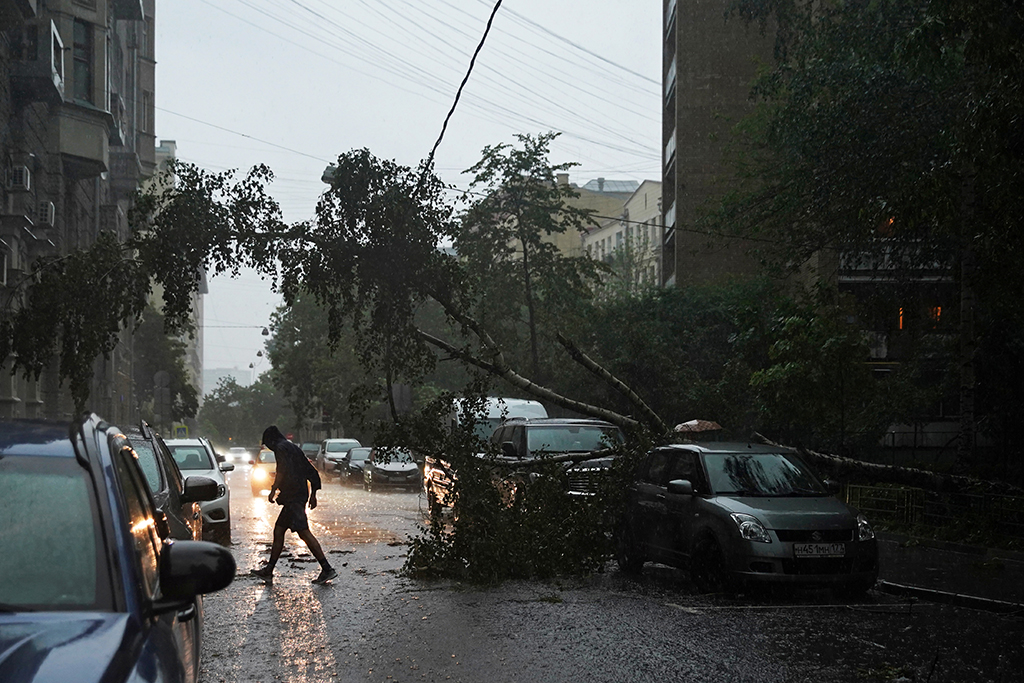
[
  {"x": 749, "y": 493},
  {"x": 806, "y": 492}
]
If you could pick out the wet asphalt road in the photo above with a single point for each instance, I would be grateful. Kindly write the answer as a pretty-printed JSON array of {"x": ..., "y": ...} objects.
[{"x": 372, "y": 624}]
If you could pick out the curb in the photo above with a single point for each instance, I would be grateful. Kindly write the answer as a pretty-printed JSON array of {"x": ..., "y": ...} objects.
[
  {"x": 956, "y": 599},
  {"x": 951, "y": 546}
]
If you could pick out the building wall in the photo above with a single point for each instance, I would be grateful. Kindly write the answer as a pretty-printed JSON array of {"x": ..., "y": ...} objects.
[
  {"x": 709, "y": 64},
  {"x": 70, "y": 75},
  {"x": 636, "y": 231}
]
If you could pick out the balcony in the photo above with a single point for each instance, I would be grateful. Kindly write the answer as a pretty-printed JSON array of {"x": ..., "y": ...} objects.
[
  {"x": 670, "y": 80},
  {"x": 37, "y": 65},
  {"x": 84, "y": 138},
  {"x": 13, "y": 12},
  {"x": 670, "y": 150},
  {"x": 118, "y": 131}
]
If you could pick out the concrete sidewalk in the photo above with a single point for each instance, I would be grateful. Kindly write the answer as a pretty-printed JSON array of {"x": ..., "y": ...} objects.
[{"x": 969, "y": 576}]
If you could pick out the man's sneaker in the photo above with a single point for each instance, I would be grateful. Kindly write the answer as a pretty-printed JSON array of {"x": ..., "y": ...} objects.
[
  {"x": 265, "y": 573},
  {"x": 326, "y": 575}
]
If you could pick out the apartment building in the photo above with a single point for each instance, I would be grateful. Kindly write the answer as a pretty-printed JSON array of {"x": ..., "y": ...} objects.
[
  {"x": 709, "y": 63},
  {"x": 77, "y": 81},
  {"x": 632, "y": 241}
]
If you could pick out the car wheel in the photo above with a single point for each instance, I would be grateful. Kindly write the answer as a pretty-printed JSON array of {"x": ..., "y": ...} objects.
[
  {"x": 707, "y": 567},
  {"x": 627, "y": 552}
]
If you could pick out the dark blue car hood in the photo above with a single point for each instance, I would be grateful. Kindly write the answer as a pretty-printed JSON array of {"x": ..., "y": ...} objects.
[{"x": 55, "y": 647}]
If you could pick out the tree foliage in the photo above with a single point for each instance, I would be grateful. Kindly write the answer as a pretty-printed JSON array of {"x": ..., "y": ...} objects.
[
  {"x": 157, "y": 351},
  {"x": 236, "y": 414}
]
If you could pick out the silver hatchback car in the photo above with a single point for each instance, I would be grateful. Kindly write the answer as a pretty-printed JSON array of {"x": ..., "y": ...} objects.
[{"x": 736, "y": 514}]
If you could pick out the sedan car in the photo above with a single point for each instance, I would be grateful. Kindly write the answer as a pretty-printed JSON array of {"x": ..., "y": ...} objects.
[
  {"x": 89, "y": 590},
  {"x": 390, "y": 467},
  {"x": 739, "y": 514},
  {"x": 176, "y": 496},
  {"x": 353, "y": 464},
  {"x": 196, "y": 456},
  {"x": 310, "y": 449},
  {"x": 264, "y": 469},
  {"x": 331, "y": 454}
]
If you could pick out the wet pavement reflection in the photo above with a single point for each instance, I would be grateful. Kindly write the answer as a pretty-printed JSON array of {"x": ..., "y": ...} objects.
[{"x": 372, "y": 624}]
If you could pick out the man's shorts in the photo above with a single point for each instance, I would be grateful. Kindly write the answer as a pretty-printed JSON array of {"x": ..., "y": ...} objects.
[{"x": 293, "y": 517}]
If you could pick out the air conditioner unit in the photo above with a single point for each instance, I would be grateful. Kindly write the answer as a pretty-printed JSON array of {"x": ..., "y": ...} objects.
[
  {"x": 47, "y": 213},
  {"x": 19, "y": 179}
]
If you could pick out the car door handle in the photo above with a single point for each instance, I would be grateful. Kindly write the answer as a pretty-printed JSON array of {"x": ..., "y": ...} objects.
[{"x": 660, "y": 496}]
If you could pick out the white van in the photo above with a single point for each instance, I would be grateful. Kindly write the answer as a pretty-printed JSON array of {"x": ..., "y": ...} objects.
[{"x": 494, "y": 411}]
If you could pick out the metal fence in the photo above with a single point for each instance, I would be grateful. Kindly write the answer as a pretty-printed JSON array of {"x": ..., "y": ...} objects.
[{"x": 917, "y": 507}]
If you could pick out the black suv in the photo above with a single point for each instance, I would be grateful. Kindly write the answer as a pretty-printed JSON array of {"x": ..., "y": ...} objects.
[{"x": 523, "y": 440}]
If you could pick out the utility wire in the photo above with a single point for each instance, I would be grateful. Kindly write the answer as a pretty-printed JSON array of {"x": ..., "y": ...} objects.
[{"x": 444, "y": 127}]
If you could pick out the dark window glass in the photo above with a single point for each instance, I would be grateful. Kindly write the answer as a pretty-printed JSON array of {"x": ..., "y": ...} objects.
[
  {"x": 147, "y": 461},
  {"x": 50, "y": 553},
  {"x": 140, "y": 512},
  {"x": 191, "y": 457},
  {"x": 82, "y": 54},
  {"x": 760, "y": 474}
]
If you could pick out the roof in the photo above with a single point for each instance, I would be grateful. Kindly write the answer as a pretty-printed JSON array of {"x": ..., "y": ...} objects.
[
  {"x": 554, "y": 421},
  {"x": 728, "y": 447},
  {"x": 35, "y": 437},
  {"x": 605, "y": 186}
]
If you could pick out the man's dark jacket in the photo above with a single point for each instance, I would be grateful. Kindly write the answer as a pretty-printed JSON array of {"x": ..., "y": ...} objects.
[{"x": 293, "y": 469}]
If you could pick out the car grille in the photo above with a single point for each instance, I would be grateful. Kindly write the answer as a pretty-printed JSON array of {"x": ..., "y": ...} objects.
[
  {"x": 584, "y": 482},
  {"x": 813, "y": 536}
]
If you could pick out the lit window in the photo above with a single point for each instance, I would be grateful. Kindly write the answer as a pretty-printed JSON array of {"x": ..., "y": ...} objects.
[
  {"x": 936, "y": 313},
  {"x": 901, "y": 318}
]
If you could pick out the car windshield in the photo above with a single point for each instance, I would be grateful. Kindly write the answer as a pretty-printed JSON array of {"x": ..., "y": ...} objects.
[
  {"x": 761, "y": 474},
  {"x": 565, "y": 438},
  {"x": 310, "y": 447},
  {"x": 266, "y": 456},
  {"x": 49, "y": 557},
  {"x": 191, "y": 457},
  {"x": 340, "y": 446},
  {"x": 358, "y": 454},
  {"x": 392, "y": 455}
]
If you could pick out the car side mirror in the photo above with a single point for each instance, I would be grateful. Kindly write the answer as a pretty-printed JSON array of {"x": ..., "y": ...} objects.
[
  {"x": 226, "y": 467},
  {"x": 191, "y": 568},
  {"x": 832, "y": 487},
  {"x": 199, "y": 488},
  {"x": 680, "y": 487},
  {"x": 508, "y": 449}
]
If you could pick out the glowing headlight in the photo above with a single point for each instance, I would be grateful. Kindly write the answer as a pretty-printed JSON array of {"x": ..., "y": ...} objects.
[
  {"x": 864, "y": 530},
  {"x": 259, "y": 474},
  {"x": 750, "y": 528}
]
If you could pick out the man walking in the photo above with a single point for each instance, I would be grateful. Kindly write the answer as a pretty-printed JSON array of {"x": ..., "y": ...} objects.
[{"x": 296, "y": 482}]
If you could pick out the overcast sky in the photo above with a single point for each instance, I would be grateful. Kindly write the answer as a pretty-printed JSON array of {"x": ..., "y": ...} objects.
[{"x": 294, "y": 83}]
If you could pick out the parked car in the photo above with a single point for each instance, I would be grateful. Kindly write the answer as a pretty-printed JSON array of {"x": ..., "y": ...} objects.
[
  {"x": 521, "y": 441},
  {"x": 331, "y": 454},
  {"x": 310, "y": 449},
  {"x": 196, "y": 456},
  {"x": 391, "y": 467},
  {"x": 176, "y": 496},
  {"x": 90, "y": 591},
  {"x": 263, "y": 471},
  {"x": 738, "y": 514},
  {"x": 353, "y": 463}
]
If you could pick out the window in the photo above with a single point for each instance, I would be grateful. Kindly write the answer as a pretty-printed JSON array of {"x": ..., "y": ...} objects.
[
  {"x": 141, "y": 520},
  {"x": 147, "y": 108},
  {"x": 82, "y": 54}
]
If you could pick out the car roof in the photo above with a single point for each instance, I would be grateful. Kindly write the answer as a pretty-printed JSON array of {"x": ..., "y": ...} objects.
[
  {"x": 35, "y": 437},
  {"x": 727, "y": 447},
  {"x": 356, "y": 441},
  {"x": 557, "y": 421}
]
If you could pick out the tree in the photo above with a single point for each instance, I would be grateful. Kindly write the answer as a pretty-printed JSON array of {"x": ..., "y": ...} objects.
[
  {"x": 240, "y": 414},
  {"x": 891, "y": 129},
  {"x": 156, "y": 351}
]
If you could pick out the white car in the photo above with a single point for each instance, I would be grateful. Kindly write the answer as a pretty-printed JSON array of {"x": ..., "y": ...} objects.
[{"x": 196, "y": 456}]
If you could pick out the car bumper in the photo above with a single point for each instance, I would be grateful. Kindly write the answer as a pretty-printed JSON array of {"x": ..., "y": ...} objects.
[
  {"x": 778, "y": 563},
  {"x": 403, "y": 481}
]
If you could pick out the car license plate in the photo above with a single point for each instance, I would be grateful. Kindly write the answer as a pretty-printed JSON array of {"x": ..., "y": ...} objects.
[{"x": 819, "y": 549}]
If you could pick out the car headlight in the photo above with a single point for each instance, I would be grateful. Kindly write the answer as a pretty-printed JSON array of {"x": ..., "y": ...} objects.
[
  {"x": 864, "y": 530},
  {"x": 750, "y": 528},
  {"x": 259, "y": 474}
]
